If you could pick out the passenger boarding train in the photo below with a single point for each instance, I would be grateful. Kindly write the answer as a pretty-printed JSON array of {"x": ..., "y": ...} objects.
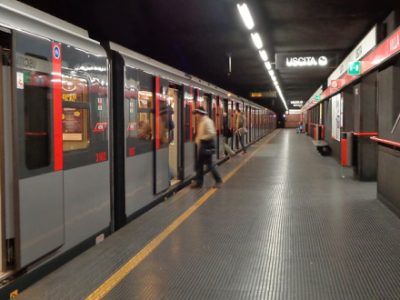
[{"x": 91, "y": 136}]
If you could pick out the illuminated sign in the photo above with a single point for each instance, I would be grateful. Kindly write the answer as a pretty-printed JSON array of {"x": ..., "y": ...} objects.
[
  {"x": 296, "y": 104},
  {"x": 265, "y": 94},
  {"x": 304, "y": 60},
  {"x": 354, "y": 68},
  {"x": 256, "y": 95},
  {"x": 366, "y": 45}
]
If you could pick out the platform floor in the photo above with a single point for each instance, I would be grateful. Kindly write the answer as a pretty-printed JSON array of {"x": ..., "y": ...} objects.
[{"x": 286, "y": 225}]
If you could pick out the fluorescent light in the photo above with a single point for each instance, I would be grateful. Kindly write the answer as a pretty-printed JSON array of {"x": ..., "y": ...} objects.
[
  {"x": 271, "y": 73},
  {"x": 246, "y": 15},
  {"x": 257, "y": 40},
  {"x": 264, "y": 55},
  {"x": 268, "y": 65}
]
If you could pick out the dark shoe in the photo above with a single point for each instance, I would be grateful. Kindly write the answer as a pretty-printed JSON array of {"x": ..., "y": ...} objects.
[
  {"x": 195, "y": 185},
  {"x": 217, "y": 185}
]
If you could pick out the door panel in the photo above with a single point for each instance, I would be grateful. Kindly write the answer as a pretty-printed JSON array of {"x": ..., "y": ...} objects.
[
  {"x": 188, "y": 135},
  {"x": 161, "y": 153},
  {"x": 37, "y": 114},
  {"x": 139, "y": 178},
  {"x": 173, "y": 112},
  {"x": 41, "y": 216}
]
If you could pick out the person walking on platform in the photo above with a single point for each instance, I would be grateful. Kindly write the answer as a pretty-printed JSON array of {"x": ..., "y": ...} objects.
[
  {"x": 241, "y": 128},
  {"x": 227, "y": 133},
  {"x": 205, "y": 141}
]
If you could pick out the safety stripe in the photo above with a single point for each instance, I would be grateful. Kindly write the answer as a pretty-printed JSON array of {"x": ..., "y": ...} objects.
[
  {"x": 157, "y": 112},
  {"x": 57, "y": 106},
  {"x": 121, "y": 273}
]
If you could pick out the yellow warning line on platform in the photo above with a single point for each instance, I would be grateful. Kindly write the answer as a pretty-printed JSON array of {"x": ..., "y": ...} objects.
[{"x": 119, "y": 275}]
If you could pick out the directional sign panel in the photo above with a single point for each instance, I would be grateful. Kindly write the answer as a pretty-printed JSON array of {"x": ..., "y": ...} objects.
[{"x": 354, "y": 68}]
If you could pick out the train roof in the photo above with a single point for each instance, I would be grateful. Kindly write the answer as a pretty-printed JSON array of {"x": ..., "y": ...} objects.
[
  {"x": 153, "y": 66},
  {"x": 22, "y": 17}
]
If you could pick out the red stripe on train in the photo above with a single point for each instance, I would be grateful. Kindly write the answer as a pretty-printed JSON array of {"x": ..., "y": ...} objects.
[{"x": 57, "y": 106}]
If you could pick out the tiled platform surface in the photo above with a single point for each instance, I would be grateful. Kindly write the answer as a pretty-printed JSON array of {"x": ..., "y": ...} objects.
[{"x": 288, "y": 225}]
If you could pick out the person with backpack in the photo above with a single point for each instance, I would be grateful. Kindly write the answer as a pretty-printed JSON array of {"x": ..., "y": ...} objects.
[
  {"x": 241, "y": 129},
  {"x": 205, "y": 141}
]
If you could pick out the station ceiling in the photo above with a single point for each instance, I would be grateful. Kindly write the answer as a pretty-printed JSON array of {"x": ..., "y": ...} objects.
[{"x": 196, "y": 36}]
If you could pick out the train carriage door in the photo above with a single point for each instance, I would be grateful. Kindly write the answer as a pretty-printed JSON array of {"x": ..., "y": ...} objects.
[
  {"x": 231, "y": 116},
  {"x": 188, "y": 132},
  {"x": 235, "y": 122},
  {"x": 246, "y": 112},
  {"x": 6, "y": 174},
  {"x": 220, "y": 116},
  {"x": 2, "y": 189},
  {"x": 161, "y": 153},
  {"x": 174, "y": 128},
  {"x": 215, "y": 117},
  {"x": 38, "y": 119}
]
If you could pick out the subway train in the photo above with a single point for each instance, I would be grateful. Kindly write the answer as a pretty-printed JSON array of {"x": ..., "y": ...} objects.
[{"x": 92, "y": 135}]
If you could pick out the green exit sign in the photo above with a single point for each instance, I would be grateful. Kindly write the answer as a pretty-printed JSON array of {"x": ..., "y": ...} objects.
[
  {"x": 318, "y": 97},
  {"x": 354, "y": 68}
]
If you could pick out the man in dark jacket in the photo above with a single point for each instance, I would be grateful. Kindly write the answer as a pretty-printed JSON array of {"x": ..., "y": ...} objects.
[{"x": 227, "y": 133}]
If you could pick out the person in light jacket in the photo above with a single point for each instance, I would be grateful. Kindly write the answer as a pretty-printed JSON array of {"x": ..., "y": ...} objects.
[{"x": 205, "y": 141}]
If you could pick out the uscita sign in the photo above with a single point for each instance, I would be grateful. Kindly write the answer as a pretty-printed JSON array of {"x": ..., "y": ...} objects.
[{"x": 307, "y": 61}]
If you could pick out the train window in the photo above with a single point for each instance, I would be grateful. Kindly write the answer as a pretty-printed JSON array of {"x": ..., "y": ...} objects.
[
  {"x": 37, "y": 118},
  {"x": 140, "y": 101},
  {"x": 75, "y": 117},
  {"x": 165, "y": 114},
  {"x": 145, "y": 120},
  {"x": 188, "y": 118}
]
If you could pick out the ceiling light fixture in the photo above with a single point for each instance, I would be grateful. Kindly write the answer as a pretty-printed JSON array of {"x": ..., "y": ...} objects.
[
  {"x": 257, "y": 40},
  {"x": 263, "y": 55},
  {"x": 258, "y": 43},
  {"x": 246, "y": 15}
]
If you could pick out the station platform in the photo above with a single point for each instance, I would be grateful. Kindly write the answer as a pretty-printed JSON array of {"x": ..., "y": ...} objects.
[{"x": 286, "y": 224}]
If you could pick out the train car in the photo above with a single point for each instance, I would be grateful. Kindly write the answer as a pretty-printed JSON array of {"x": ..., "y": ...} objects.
[
  {"x": 55, "y": 167},
  {"x": 90, "y": 137},
  {"x": 151, "y": 155}
]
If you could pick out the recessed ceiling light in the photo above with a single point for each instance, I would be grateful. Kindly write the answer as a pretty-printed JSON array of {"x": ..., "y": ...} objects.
[
  {"x": 263, "y": 55},
  {"x": 257, "y": 40},
  {"x": 271, "y": 72},
  {"x": 246, "y": 15}
]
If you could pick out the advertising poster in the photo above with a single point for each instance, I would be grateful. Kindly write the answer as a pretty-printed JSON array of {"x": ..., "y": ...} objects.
[
  {"x": 72, "y": 124},
  {"x": 337, "y": 116}
]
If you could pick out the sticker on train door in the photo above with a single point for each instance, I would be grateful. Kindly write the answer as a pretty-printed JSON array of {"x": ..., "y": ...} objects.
[{"x": 20, "y": 80}]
